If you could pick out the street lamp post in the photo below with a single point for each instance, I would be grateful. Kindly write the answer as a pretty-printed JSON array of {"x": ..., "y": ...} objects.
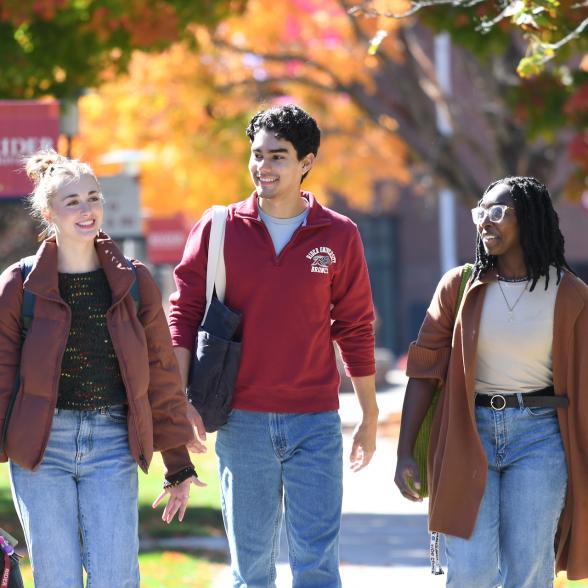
[
  {"x": 69, "y": 122},
  {"x": 447, "y": 223}
]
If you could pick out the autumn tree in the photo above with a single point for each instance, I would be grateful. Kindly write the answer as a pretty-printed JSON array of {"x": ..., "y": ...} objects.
[
  {"x": 169, "y": 106},
  {"x": 548, "y": 27},
  {"x": 501, "y": 123},
  {"x": 189, "y": 110},
  {"x": 58, "y": 47}
]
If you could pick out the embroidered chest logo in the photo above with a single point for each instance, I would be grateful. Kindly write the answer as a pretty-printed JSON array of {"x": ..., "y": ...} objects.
[{"x": 321, "y": 258}]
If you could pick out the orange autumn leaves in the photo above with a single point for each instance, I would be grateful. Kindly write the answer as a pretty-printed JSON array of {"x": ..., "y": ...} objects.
[{"x": 188, "y": 111}]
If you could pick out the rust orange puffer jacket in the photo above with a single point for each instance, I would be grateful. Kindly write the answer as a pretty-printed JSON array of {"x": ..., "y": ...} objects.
[{"x": 157, "y": 405}]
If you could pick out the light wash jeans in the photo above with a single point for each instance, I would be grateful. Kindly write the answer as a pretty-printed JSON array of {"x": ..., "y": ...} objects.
[
  {"x": 79, "y": 507},
  {"x": 513, "y": 541},
  {"x": 267, "y": 458}
]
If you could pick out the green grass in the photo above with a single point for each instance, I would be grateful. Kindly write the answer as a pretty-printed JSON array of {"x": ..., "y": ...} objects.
[
  {"x": 171, "y": 568},
  {"x": 203, "y": 515},
  {"x": 563, "y": 582},
  {"x": 162, "y": 569},
  {"x": 158, "y": 568}
]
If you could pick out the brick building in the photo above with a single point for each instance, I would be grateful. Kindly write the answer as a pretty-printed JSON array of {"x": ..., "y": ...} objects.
[{"x": 402, "y": 250}]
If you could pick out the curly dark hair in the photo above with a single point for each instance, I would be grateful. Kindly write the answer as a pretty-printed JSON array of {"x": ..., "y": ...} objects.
[
  {"x": 541, "y": 239},
  {"x": 289, "y": 123}
]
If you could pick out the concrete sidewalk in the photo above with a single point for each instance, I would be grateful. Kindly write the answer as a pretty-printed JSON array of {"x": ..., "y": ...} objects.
[{"x": 384, "y": 538}]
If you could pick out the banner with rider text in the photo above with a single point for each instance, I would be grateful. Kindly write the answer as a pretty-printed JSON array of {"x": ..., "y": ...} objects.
[{"x": 25, "y": 127}]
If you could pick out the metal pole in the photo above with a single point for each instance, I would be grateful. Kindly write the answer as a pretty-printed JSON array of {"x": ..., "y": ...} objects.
[
  {"x": 69, "y": 122},
  {"x": 447, "y": 223}
]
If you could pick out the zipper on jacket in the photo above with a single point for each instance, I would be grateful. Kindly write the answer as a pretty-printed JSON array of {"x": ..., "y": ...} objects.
[
  {"x": 131, "y": 401},
  {"x": 51, "y": 412},
  {"x": 142, "y": 461},
  {"x": 132, "y": 407}
]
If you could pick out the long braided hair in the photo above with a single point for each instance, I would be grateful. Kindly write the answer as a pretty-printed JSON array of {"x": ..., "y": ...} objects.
[{"x": 541, "y": 239}]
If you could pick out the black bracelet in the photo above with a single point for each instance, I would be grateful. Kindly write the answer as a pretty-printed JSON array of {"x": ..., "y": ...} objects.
[{"x": 177, "y": 478}]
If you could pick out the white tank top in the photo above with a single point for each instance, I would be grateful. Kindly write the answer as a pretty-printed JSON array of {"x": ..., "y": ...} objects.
[{"x": 514, "y": 347}]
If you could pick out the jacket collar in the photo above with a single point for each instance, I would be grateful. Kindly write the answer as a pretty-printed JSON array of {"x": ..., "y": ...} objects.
[
  {"x": 317, "y": 215},
  {"x": 43, "y": 280},
  {"x": 488, "y": 276}
]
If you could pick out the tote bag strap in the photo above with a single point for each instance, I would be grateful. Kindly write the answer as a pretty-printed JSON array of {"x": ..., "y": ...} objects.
[
  {"x": 466, "y": 274},
  {"x": 216, "y": 278}
]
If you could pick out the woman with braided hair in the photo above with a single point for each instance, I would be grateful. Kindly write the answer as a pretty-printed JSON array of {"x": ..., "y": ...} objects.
[{"x": 507, "y": 467}]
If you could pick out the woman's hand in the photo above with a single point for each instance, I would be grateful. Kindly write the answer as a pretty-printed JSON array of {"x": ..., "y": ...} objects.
[
  {"x": 417, "y": 399},
  {"x": 407, "y": 478},
  {"x": 178, "y": 499}
]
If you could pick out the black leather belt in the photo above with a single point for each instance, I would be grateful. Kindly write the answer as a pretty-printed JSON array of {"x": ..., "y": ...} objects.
[{"x": 539, "y": 398}]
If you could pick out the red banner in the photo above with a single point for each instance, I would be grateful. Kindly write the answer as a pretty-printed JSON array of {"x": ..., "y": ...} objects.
[
  {"x": 166, "y": 238},
  {"x": 25, "y": 127}
]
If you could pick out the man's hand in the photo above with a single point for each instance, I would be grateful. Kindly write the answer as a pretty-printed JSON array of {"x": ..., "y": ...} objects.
[
  {"x": 364, "y": 435},
  {"x": 196, "y": 445},
  {"x": 364, "y": 444}
]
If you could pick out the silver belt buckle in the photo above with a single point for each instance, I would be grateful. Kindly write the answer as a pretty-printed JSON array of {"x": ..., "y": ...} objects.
[{"x": 499, "y": 397}]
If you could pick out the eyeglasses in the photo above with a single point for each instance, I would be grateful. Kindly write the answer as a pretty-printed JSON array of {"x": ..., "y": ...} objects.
[{"x": 495, "y": 213}]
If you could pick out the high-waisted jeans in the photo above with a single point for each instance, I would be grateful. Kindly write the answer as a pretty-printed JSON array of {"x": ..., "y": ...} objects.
[
  {"x": 79, "y": 507},
  {"x": 513, "y": 541}
]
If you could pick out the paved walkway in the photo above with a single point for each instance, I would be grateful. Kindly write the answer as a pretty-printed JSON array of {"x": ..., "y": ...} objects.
[{"x": 384, "y": 538}]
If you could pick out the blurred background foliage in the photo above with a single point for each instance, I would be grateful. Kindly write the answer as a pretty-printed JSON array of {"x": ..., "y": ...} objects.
[
  {"x": 179, "y": 80},
  {"x": 57, "y": 47}
]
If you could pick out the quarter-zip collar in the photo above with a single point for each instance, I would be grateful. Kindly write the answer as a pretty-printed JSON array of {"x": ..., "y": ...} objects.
[
  {"x": 317, "y": 216},
  {"x": 44, "y": 281}
]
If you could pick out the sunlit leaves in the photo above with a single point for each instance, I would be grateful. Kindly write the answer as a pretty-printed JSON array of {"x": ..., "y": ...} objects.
[
  {"x": 547, "y": 26},
  {"x": 88, "y": 40},
  {"x": 189, "y": 111}
]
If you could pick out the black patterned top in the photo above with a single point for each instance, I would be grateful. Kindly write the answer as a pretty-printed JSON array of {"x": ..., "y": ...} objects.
[{"x": 90, "y": 373}]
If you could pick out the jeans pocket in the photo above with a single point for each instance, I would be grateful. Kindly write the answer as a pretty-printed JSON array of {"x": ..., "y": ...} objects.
[
  {"x": 117, "y": 413},
  {"x": 541, "y": 411}
]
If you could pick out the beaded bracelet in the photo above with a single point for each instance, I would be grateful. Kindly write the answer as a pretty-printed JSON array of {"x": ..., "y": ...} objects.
[{"x": 179, "y": 477}]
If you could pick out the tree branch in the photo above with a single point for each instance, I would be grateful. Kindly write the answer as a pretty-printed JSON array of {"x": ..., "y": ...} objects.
[
  {"x": 575, "y": 34},
  {"x": 307, "y": 82},
  {"x": 416, "y": 6},
  {"x": 548, "y": 49},
  {"x": 275, "y": 57}
]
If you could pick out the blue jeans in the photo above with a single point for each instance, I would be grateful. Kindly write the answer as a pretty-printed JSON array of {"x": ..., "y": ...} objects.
[
  {"x": 513, "y": 541},
  {"x": 79, "y": 507},
  {"x": 266, "y": 459}
]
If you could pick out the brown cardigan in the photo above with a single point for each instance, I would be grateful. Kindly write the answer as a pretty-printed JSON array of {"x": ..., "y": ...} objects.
[
  {"x": 446, "y": 350},
  {"x": 157, "y": 405}
]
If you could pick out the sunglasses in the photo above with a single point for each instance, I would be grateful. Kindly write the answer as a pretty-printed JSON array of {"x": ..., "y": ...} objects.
[{"x": 495, "y": 213}]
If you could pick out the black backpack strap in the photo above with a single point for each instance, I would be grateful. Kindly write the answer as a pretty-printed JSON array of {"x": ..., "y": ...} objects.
[
  {"x": 28, "y": 298},
  {"x": 135, "y": 287}
]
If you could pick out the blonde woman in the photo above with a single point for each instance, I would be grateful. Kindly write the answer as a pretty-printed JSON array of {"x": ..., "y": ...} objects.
[{"x": 99, "y": 390}]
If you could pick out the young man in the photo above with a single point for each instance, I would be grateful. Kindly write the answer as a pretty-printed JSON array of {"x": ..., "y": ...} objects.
[{"x": 297, "y": 273}]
